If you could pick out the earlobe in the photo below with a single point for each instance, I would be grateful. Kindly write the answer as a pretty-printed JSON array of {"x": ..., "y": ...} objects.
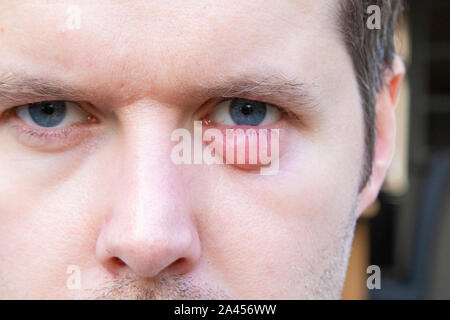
[{"x": 385, "y": 134}]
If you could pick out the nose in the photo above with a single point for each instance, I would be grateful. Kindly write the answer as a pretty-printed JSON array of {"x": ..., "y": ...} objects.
[{"x": 149, "y": 227}]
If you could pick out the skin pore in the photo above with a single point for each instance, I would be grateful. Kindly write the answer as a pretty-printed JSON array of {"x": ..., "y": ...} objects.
[{"x": 103, "y": 194}]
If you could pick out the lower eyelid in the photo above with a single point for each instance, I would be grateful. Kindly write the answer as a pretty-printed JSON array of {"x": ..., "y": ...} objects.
[
  {"x": 208, "y": 122},
  {"x": 227, "y": 145},
  {"x": 54, "y": 139}
]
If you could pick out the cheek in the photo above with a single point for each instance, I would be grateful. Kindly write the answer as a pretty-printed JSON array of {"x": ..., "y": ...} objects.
[
  {"x": 282, "y": 232},
  {"x": 267, "y": 235},
  {"x": 46, "y": 217},
  {"x": 39, "y": 238}
]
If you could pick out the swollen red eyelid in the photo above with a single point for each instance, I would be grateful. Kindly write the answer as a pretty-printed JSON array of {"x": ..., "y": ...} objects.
[{"x": 245, "y": 147}]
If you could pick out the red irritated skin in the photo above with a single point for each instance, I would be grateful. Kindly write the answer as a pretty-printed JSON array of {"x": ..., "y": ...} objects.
[
  {"x": 93, "y": 206},
  {"x": 246, "y": 147},
  {"x": 254, "y": 148}
]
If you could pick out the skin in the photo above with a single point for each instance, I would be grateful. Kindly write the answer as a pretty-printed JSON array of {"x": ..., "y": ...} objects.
[{"x": 110, "y": 201}]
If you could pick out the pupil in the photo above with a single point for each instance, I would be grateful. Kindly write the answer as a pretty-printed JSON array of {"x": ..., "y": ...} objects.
[
  {"x": 247, "y": 109},
  {"x": 48, "y": 108}
]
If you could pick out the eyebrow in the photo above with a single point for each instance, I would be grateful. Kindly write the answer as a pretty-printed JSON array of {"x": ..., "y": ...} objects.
[
  {"x": 284, "y": 90},
  {"x": 19, "y": 88},
  {"x": 278, "y": 87}
]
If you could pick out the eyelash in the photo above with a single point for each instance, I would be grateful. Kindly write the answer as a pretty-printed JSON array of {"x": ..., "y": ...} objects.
[
  {"x": 286, "y": 114},
  {"x": 59, "y": 137},
  {"x": 52, "y": 138}
]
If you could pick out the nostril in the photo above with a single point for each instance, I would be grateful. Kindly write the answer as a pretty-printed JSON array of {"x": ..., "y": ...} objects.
[
  {"x": 179, "y": 261},
  {"x": 117, "y": 261},
  {"x": 114, "y": 265},
  {"x": 180, "y": 265}
]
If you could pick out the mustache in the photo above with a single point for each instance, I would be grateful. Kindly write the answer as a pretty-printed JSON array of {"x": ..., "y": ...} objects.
[{"x": 165, "y": 287}]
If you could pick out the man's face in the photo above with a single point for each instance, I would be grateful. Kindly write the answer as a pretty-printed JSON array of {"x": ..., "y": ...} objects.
[{"x": 99, "y": 192}]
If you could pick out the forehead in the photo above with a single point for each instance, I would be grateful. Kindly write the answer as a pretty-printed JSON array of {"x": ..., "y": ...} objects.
[{"x": 164, "y": 42}]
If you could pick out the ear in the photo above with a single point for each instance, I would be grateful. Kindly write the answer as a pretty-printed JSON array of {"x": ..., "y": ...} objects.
[{"x": 385, "y": 136}]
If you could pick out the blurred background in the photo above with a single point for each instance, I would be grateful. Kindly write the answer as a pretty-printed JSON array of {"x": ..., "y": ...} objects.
[{"x": 407, "y": 231}]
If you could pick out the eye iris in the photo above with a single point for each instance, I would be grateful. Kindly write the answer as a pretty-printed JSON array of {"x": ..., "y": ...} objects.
[
  {"x": 48, "y": 114},
  {"x": 247, "y": 112}
]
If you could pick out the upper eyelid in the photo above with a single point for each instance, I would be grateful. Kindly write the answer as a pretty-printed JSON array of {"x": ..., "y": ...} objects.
[
  {"x": 90, "y": 109},
  {"x": 290, "y": 109},
  {"x": 285, "y": 111},
  {"x": 86, "y": 107},
  {"x": 282, "y": 112},
  {"x": 89, "y": 115},
  {"x": 207, "y": 108}
]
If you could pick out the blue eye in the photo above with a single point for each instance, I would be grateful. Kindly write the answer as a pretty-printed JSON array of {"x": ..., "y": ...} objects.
[
  {"x": 244, "y": 112},
  {"x": 247, "y": 112},
  {"x": 48, "y": 113}
]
